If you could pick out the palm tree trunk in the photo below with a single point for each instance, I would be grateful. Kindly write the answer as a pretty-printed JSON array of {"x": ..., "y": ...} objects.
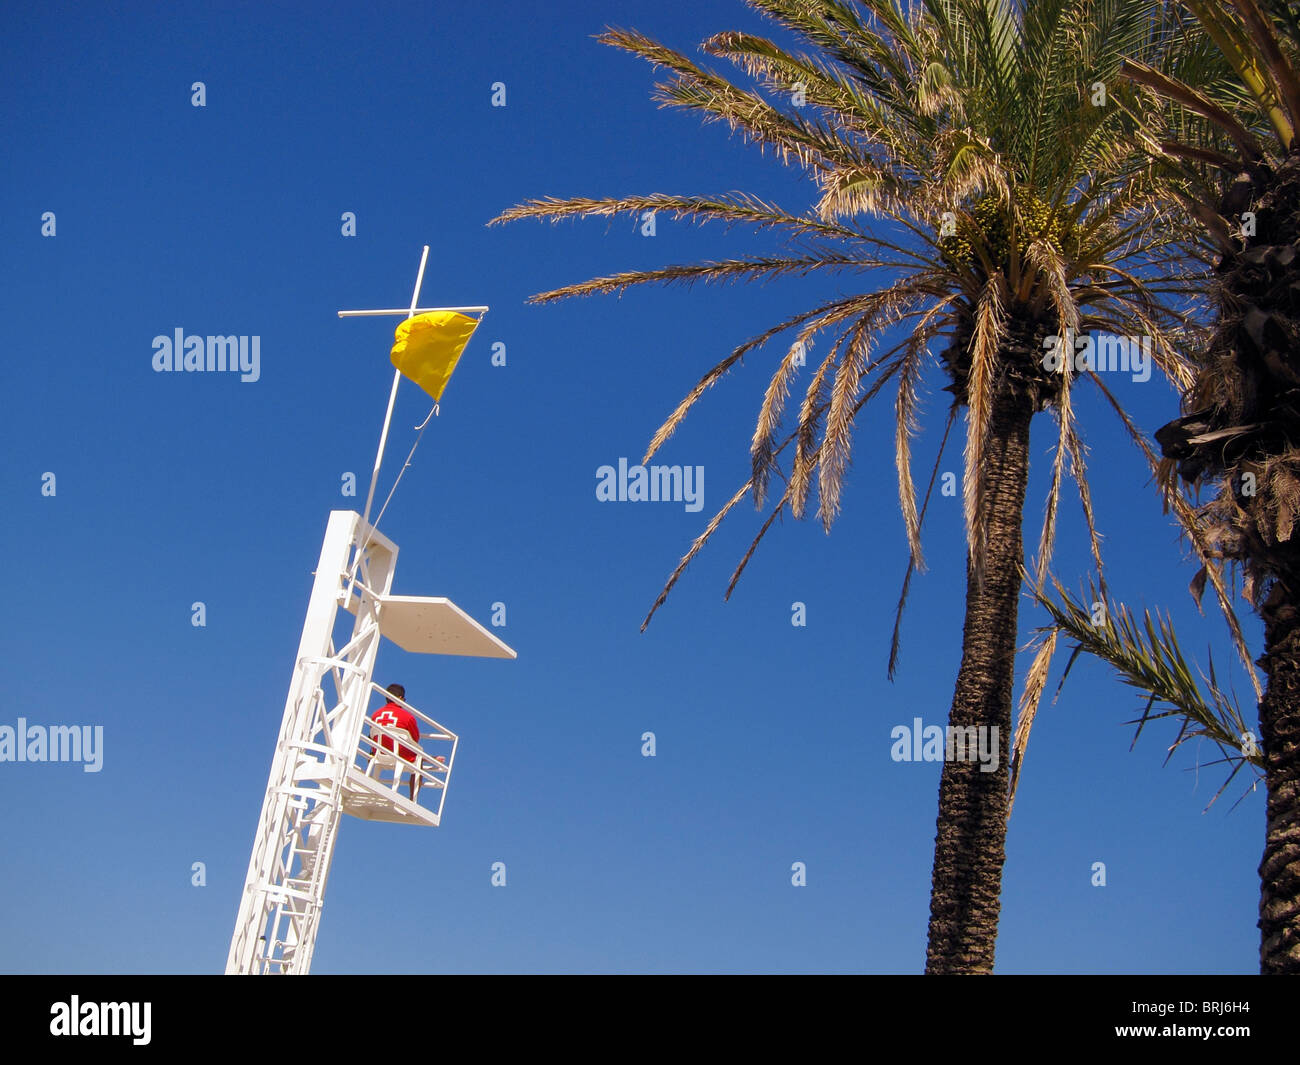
[
  {"x": 969, "y": 846},
  {"x": 1279, "y": 726}
]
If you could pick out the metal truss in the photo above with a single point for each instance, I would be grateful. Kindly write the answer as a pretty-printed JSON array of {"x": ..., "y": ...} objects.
[{"x": 284, "y": 890}]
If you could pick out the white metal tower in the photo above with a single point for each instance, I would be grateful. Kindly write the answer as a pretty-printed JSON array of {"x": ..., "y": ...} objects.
[{"x": 323, "y": 766}]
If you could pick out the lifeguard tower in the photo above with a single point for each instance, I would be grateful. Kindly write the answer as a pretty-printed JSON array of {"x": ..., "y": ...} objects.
[{"x": 330, "y": 758}]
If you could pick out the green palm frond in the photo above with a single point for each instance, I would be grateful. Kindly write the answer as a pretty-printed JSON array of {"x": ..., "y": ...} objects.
[
  {"x": 1248, "y": 43},
  {"x": 1146, "y": 655}
]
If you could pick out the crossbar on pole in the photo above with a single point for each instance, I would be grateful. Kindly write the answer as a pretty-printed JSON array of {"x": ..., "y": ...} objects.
[
  {"x": 392, "y": 395},
  {"x": 410, "y": 311}
]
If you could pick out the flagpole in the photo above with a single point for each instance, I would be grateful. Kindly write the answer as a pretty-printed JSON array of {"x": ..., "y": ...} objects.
[{"x": 392, "y": 395}]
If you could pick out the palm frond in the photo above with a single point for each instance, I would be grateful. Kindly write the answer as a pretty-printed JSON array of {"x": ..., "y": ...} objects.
[
  {"x": 819, "y": 317},
  {"x": 1198, "y": 103},
  {"x": 1035, "y": 682},
  {"x": 1146, "y": 655},
  {"x": 895, "y": 640},
  {"x": 984, "y": 348},
  {"x": 764, "y": 267}
]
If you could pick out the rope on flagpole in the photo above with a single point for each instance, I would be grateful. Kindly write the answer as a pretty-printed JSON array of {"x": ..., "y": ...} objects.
[
  {"x": 426, "y": 420},
  {"x": 374, "y": 526},
  {"x": 405, "y": 466}
]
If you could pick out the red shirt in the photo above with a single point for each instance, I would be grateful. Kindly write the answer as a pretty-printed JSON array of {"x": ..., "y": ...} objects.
[{"x": 396, "y": 717}]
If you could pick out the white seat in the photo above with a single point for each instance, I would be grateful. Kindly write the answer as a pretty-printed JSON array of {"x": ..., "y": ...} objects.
[{"x": 383, "y": 759}]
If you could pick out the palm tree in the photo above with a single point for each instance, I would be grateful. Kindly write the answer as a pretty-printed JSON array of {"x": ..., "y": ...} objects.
[
  {"x": 1240, "y": 434},
  {"x": 969, "y": 187}
]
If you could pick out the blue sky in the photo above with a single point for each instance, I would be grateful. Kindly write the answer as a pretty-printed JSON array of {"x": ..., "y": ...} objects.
[{"x": 773, "y": 741}]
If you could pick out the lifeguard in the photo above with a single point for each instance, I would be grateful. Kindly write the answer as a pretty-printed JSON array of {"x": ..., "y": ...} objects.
[{"x": 394, "y": 716}]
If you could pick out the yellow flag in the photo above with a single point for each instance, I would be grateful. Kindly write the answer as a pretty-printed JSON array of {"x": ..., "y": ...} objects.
[{"x": 427, "y": 347}]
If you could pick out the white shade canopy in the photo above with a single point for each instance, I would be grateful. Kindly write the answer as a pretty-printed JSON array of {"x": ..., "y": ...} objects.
[{"x": 433, "y": 625}]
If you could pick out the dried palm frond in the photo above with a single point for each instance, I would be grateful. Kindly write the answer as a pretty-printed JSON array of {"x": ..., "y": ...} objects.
[{"x": 1035, "y": 682}]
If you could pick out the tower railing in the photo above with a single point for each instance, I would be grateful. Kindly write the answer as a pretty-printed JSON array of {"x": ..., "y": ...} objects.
[{"x": 431, "y": 765}]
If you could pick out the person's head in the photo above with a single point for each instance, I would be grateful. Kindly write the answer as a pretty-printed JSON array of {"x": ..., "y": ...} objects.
[{"x": 396, "y": 689}]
